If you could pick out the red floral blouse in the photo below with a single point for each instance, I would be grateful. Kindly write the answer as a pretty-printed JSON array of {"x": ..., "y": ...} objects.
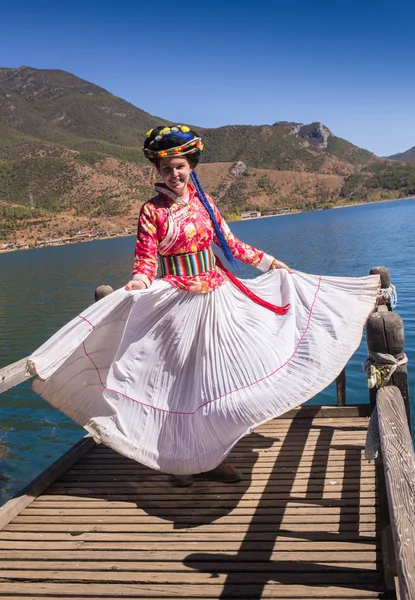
[{"x": 171, "y": 225}]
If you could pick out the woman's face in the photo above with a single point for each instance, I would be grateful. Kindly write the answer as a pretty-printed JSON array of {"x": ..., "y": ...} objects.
[{"x": 175, "y": 172}]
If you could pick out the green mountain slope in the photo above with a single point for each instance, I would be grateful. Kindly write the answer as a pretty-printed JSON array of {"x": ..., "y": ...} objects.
[
  {"x": 69, "y": 147},
  {"x": 408, "y": 156}
]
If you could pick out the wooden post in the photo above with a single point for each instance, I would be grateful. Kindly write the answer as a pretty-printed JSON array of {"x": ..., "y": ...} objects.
[
  {"x": 341, "y": 388},
  {"x": 385, "y": 335},
  {"x": 102, "y": 291},
  {"x": 385, "y": 278}
]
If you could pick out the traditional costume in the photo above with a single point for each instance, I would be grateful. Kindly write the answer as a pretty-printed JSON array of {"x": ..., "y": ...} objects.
[{"x": 174, "y": 375}]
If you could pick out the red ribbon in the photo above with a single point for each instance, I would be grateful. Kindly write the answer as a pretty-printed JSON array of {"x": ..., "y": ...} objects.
[{"x": 279, "y": 310}]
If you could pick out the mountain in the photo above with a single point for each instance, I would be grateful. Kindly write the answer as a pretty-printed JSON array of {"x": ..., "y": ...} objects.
[
  {"x": 60, "y": 108},
  {"x": 71, "y": 159},
  {"x": 408, "y": 156},
  {"x": 285, "y": 146}
]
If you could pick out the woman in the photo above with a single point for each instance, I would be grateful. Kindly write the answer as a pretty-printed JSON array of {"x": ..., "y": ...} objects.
[
  {"x": 173, "y": 372},
  {"x": 176, "y": 223}
]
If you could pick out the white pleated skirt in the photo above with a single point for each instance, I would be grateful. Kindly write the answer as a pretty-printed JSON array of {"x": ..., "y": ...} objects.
[{"x": 174, "y": 379}]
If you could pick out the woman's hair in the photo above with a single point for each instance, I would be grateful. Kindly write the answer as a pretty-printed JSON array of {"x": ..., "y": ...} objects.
[{"x": 180, "y": 140}]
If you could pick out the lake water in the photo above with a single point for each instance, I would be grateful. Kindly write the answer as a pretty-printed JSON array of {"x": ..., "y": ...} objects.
[{"x": 42, "y": 289}]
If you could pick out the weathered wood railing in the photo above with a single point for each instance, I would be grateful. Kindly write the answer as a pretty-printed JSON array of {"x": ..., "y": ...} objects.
[
  {"x": 398, "y": 463},
  {"x": 395, "y": 463},
  {"x": 13, "y": 374}
]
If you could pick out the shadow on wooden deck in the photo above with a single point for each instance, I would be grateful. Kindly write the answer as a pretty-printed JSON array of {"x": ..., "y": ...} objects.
[{"x": 302, "y": 524}]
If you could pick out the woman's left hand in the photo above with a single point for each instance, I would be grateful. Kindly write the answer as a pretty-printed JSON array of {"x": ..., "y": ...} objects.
[{"x": 278, "y": 264}]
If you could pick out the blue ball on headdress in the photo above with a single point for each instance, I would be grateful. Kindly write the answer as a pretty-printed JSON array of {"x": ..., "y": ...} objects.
[{"x": 182, "y": 135}]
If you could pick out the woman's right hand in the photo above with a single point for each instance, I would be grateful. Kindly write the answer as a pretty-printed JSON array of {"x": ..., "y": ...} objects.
[
  {"x": 136, "y": 285},
  {"x": 278, "y": 264}
]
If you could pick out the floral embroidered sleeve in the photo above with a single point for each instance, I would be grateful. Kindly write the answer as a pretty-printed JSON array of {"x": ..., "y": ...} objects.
[
  {"x": 145, "y": 259},
  {"x": 244, "y": 252}
]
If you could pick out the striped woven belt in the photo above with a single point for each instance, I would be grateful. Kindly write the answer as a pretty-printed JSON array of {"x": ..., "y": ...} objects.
[{"x": 192, "y": 264}]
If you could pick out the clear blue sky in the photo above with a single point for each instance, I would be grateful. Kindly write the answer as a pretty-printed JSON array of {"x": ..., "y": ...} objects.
[{"x": 348, "y": 64}]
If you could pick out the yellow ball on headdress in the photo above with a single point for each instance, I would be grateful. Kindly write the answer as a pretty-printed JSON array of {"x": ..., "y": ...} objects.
[
  {"x": 165, "y": 130},
  {"x": 185, "y": 128},
  {"x": 149, "y": 133}
]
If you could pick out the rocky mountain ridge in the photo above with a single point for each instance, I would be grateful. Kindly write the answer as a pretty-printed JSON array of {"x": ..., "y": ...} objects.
[{"x": 315, "y": 134}]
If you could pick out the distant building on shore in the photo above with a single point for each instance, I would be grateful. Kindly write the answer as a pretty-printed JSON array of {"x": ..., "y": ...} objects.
[
  {"x": 250, "y": 214},
  {"x": 277, "y": 211}
]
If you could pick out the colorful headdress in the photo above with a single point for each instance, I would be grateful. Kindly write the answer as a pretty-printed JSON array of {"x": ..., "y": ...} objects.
[{"x": 159, "y": 145}]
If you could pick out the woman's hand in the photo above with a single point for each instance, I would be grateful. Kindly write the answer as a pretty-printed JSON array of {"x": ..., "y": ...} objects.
[
  {"x": 278, "y": 264},
  {"x": 136, "y": 285}
]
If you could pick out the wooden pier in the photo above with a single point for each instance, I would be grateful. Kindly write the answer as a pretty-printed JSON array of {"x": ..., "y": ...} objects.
[
  {"x": 302, "y": 524},
  {"x": 312, "y": 518}
]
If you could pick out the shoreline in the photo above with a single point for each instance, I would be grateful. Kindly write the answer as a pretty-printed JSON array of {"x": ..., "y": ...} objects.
[
  {"x": 42, "y": 244},
  {"x": 375, "y": 202},
  {"x": 297, "y": 212}
]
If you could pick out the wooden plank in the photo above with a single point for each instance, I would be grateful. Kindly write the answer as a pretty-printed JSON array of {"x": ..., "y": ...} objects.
[
  {"x": 399, "y": 463},
  {"x": 14, "y": 374},
  {"x": 256, "y": 474},
  {"x": 153, "y": 522},
  {"x": 178, "y": 540},
  {"x": 269, "y": 450},
  {"x": 264, "y": 462},
  {"x": 14, "y": 506},
  {"x": 252, "y": 455},
  {"x": 262, "y": 530},
  {"x": 264, "y": 438},
  {"x": 185, "y": 577},
  {"x": 126, "y": 558},
  {"x": 250, "y": 479},
  {"x": 202, "y": 485},
  {"x": 68, "y": 480},
  {"x": 261, "y": 464},
  {"x": 289, "y": 433},
  {"x": 327, "y": 412},
  {"x": 334, "y": 413},
  {"x": 78, "y": 591},
  {"x": 209, "y": 492},
  {"x": 35, "y": 513},
  {"x": 67, "y": 503},
  {"x": 216, "y": 596},
  {"x": 226, "y": 499},
  {"x": 272, "y": 445},
  {"x": 355, "y": 596},
  {"x": 188, "y": 547},
  {"x": 227, "y": 563}
]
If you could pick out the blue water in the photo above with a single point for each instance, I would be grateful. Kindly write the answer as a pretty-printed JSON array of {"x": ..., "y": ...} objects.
[{"x": 42, "y": 289}]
